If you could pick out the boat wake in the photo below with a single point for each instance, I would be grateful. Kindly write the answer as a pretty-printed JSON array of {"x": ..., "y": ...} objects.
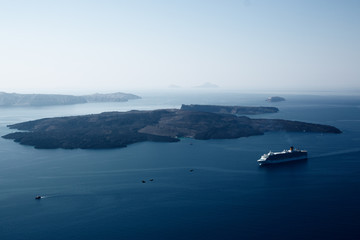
[
  {"x": 353, "y": 150},
  {"x": 38, "y": 197},
  {"x": 45, "y": 196}
]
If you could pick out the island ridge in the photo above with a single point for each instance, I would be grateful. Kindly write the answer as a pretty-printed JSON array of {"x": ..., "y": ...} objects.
[{"x": 119, "y": 129}]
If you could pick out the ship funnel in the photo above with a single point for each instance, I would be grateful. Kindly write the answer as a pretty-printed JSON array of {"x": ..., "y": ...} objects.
[{"x": 291, "y": 148}]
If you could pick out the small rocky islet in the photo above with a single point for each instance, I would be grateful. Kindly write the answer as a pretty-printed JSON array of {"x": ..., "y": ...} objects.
[
  {"x": 275, "y": 99},
  {"x": 119, "y": 129}
]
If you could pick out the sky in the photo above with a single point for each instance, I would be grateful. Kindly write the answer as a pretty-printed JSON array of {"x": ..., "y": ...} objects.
[{"x": 62, "y": 46}]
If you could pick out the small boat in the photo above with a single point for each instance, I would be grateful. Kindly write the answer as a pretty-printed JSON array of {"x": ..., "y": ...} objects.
[{"x": 38, "y": 197}]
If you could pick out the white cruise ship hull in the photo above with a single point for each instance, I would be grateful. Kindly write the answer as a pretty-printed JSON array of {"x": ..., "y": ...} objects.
[{"x": 267, "y": 161}]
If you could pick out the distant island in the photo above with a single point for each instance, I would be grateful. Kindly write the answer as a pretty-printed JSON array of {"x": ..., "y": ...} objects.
[
  {"x": 238, "y": 110},
  {"x": 275, "y": 99},
  {"x": 207, "y": 85},
  {"x": 15, "y": 99},
  {"x": 174, "y": 86},
  {"x": 119, "y": 129}
]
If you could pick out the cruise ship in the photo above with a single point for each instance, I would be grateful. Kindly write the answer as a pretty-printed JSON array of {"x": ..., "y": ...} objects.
[{"x": 284, "y": 156}]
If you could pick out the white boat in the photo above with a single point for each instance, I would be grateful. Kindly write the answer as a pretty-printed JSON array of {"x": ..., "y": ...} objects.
[{"x": 284, "y": 156}]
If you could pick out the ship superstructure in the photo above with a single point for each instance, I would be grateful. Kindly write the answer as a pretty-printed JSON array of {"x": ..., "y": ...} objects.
[{"x": 285, "y": 156}]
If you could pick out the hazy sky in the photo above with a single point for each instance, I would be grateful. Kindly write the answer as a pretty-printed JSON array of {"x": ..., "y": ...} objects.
[{"x": 114, "y": 45}]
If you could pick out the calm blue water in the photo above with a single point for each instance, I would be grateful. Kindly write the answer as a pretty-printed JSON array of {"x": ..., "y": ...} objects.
[{"x": 98, "y": 194}]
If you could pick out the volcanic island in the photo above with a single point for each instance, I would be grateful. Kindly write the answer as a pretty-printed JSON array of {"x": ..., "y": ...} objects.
[{"x": 119, "y": 129}]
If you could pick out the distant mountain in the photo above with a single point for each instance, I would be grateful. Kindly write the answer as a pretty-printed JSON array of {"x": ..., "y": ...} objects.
[
  {"x": 110, "y": 97},
  {"x": 15, "y": 99},
  {"x": 207, "y": 85}
]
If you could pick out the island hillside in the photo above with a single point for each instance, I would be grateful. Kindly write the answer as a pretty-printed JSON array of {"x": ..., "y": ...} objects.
[
  {"x": 15, "y": 99},
  {"x": 119, "y": 129},
  {"x": 238, "y": 110}
]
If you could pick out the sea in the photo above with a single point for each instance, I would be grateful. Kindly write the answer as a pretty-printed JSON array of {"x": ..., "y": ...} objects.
[{"x": 191, "y": 189}]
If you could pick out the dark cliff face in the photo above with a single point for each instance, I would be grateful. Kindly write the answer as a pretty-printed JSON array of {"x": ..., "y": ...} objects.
[{"x": 118, "y": 129}]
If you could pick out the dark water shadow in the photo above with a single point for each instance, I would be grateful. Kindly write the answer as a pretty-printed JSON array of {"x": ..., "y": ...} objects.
[{"x": 294, "y": 166}]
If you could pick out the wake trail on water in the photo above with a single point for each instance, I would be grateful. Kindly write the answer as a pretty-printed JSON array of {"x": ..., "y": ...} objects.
[
  {"x": 335, "y": 153},
  {"x": 57, "y": 196},
  {"x": 48, "y": 196}
]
